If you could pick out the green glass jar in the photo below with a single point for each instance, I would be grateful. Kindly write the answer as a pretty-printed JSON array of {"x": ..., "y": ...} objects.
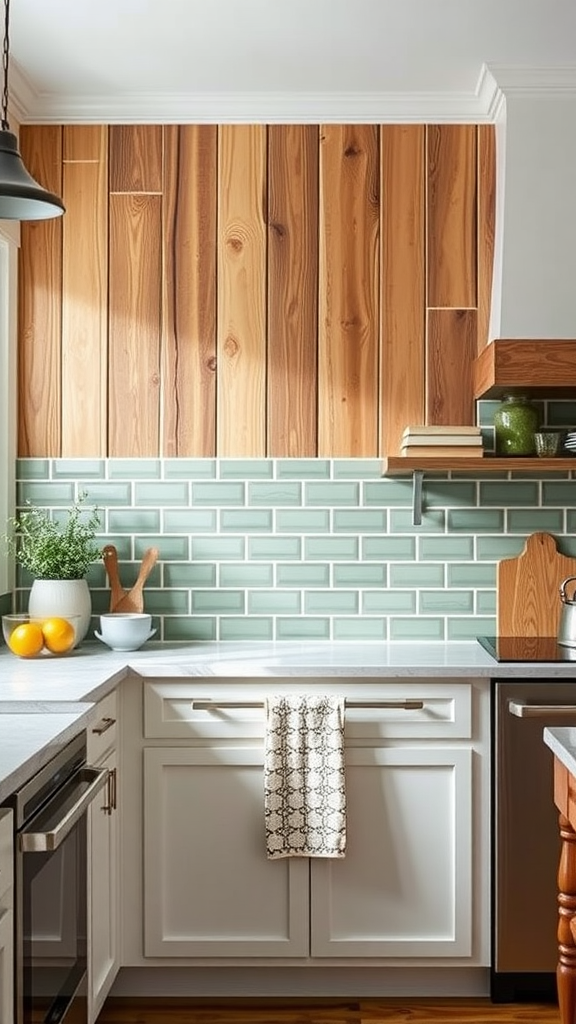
[{"x": 515, "y": 422}]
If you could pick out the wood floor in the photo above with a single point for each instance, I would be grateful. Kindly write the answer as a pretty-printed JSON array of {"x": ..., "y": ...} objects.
[{"x": 368, "y": 1011}]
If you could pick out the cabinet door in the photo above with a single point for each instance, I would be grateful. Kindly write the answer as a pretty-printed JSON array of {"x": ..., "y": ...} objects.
[
  {"x": 404, "y": 888},
  {"x": 209, "y": 889},
  {"x": 6, "y": 918},
  {"x": 103, "y": 891}
]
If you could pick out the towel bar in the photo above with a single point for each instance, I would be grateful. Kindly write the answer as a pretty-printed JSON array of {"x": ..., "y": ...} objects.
[{"x": 205, "y": 704}]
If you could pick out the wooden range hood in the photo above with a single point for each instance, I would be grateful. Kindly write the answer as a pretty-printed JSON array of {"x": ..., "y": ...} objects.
[{"x": 536, "y": 366}]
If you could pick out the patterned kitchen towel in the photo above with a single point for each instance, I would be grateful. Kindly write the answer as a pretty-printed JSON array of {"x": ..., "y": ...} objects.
[{"x": 304, "y": 791}]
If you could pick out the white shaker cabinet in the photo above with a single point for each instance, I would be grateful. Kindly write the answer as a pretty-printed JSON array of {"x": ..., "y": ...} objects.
[
  {"x": 408, "y": 888},
  {"x": 103, "y": 877},
  {"x": 6, "y": 918}
]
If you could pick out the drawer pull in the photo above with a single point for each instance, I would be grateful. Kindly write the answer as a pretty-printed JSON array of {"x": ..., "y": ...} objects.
[
  {"x": 105, "y": 724},
  {"x": 403, "y": 705},
  {"x": 111, "y": 792}
]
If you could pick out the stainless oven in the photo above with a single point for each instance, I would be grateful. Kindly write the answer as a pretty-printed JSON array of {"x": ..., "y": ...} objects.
[{"x": 51, "y": 895}]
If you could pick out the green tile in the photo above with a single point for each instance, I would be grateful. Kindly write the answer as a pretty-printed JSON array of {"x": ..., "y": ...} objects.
[
  {"x": 134, "y": 469},
  {"x": 218, "y": 493},
  {"x": 331, "y": 548},
  {"x": 532, "y": 520},
  {"x": 570, "y": 520},
  {"x": 78, "y": 469},
  {"x": 330, "y": 602},
  {"x": 134, "y": 520},
  {"x": 302, "y": 520},
  {"x": 217, "y": 601},
  {"x": 246, "y": 520},
  {"x": 447, "y": 548},
  {"x": 45, "y": 494},
  {"x": 176, "y": 548},
  {"x": 562, "y": 414},
  {"x": 108, "y": 493},
  {"x": 486, "y": 602},
  {"x": 359, "y": 628},
  {"x": 190, "y": 520},
  {"x": 562, "y": 493},
  {"x": 245, "y": 469},
  {"x": 331, "y": 494},
  {"x": 129, "y": 573},
  {"x": 476, "y": 520},
  {"x": 448, "y": 492},
  {"x": 416, "y": 628},
  {"x": 190, "y": 469},
  {"x": 189, "y": 628},
  {"x": 485, "y": 412},
  {"x": 189, "y": 574},
  {"x": 498, "y": 547},
  {"x": 167, "y": 601},
  {"x": 388, "y": 602},
  {"x": 432, "y": 521},
  {"x": 359, "y": 574},
  {"x": 301, "y": 469},
  {"x": 218, "y": 549},
  {"x": 469, "y": 629},
  {"x": 246, "y": 575},
  {"x": 415, "y": 574},
  {"x": 274, "y": 602},
  {"x": 357, "y": 469},
  {"x": 32, "y": 469},
  {"x": 508, "y": 492},
  {"x": 388, "y": 492},
  {"x": 302, "y": 628},
  {"x": 360, "y": 520},
  {"x": 389, "y": 548},
  {"x": 437, "y": 602},
  {"x": 471, "y": 574},
  {"x": 246, "y": 628},
  {"x": 275, "y": 493},
  {"x": 567, "y": 546},
  {"x": 300, "y": 575},
  {"x": 161, "y": 493},
  {"x": 274, "y": 547}
]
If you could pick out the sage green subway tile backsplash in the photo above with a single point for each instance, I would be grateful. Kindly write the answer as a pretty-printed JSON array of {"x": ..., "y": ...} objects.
[{"x": 297, "y": 549}]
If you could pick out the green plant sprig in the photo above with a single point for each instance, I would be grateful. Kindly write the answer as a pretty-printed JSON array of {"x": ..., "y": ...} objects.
[{"x": 50, "y": 550}]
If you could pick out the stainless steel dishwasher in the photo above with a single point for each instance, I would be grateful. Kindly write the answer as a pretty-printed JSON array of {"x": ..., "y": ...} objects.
[{"x": 525, "y": 845}]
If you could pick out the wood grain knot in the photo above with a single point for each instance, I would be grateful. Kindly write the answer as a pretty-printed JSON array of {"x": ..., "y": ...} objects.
[
  {"x": 235, "y": 244},
  {"x": 211, "y": 364},
  {"x": 279, "y": 230},
  {"x": 352, "y": 151},
  {"x": 231, "y": 346}
]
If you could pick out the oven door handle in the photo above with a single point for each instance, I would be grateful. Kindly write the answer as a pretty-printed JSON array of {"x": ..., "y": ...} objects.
[
  {"x": 522, "y": 710},
  {"x": 33, "y": 841}
]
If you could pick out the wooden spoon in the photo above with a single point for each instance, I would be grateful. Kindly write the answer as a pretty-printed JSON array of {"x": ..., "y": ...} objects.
[
  {"x": 117, "y": 592},
  {"x": 133, "y": 601}
]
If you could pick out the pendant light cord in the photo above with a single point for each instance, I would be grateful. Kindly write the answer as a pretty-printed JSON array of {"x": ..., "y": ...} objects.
[{"x": 5, "y": 61}]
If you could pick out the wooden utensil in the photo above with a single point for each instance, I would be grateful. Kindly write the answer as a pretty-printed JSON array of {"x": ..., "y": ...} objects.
[
  {"x": 528, "y": 588},
  {"x": 133, "y": 601},
  {"x": 117, "y": 592}
]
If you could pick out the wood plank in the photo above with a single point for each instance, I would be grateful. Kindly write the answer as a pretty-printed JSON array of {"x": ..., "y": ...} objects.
[
  {"x": 241, "y": 341},
  {"x": 486, "y": 227},
  {"x": 402, "y": 301},
  {"x": 450, "y": 351},
  {"x": 134, "y": 325},
  {"x": 292, "y": 289},
  {"x": 84, "y": 292},
  {"x": 348, "y": 350},
  {"x": 189, "y": 289},
  {"x": 39, "y": 304},
  {"x": 451, "y": 207},
  {"x": 135, "y": 158},
  {"x": 546, "y": 363}
]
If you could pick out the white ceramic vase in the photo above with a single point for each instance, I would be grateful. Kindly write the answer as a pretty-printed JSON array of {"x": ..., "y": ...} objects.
[{"x": 62, "y": 597}]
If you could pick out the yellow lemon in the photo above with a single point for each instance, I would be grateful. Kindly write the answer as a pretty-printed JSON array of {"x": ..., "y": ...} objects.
[
  {"x": 26, "y": 640},
  {"x": 59, "y": 635}
]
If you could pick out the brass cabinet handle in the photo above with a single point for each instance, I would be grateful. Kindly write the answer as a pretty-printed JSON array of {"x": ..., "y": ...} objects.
[{"x": 105, "y": 724}]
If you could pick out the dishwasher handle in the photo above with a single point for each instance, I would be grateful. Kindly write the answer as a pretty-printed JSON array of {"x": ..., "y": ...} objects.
[
  {"x": 79, "y": 794},
  {"x": 522, "y": 710}
]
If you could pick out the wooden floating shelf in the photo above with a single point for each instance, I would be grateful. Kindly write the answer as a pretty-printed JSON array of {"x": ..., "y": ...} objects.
[{"x": 403, "y": 465}]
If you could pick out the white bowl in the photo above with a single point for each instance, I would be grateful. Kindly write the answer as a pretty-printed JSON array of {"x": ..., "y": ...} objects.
[{"x": 125, "y": 631}]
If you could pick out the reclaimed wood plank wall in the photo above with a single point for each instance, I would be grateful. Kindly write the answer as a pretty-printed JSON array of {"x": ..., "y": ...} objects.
[{"x": 252, "y": 290}]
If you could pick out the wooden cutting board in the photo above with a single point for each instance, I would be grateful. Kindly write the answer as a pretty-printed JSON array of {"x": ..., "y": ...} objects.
[{"x": 528, "y": 588}]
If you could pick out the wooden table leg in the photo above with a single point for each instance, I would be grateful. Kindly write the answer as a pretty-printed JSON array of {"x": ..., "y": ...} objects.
[{"x": 566, "y": 970}]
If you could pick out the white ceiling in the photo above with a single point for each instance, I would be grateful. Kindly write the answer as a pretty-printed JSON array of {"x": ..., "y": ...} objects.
[{"x": 187, "y": 60}]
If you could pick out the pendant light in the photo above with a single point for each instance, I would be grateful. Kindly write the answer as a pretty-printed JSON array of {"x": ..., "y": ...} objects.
[{"x": 21, "y": 198}]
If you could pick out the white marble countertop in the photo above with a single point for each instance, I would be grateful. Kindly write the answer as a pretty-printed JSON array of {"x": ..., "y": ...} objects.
[
  {"x": 562, "y": 742},
  {"x": 30, "y": 686}
]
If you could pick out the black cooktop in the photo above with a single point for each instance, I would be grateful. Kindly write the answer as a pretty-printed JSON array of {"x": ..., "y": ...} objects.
[{"x": 526, "y": 648}]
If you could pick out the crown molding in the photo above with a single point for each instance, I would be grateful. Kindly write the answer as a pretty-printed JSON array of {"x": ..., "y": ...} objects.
[
  {"x": 534, "y": 81},
  {"x": 31, "y": 107}
]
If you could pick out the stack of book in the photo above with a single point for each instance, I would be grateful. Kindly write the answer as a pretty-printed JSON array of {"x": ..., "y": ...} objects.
[{"x": 442, "y": 442}]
